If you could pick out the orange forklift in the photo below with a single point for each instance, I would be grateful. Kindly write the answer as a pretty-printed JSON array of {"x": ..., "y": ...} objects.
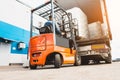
[{"x": 47, "y": 47}]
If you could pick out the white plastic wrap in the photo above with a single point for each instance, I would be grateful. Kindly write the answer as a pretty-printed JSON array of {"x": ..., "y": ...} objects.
[
  {"x": 95, "y": 30},
  {"x": 82, "y": 21},
  {"x": 105, "y": 30}
]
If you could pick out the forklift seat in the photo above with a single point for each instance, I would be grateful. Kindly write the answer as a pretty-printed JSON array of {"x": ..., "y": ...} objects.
[{"x": 45, "y": 29}]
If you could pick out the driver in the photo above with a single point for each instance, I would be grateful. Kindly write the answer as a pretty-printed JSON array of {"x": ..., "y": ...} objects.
[{"x": 49, "y": 24}]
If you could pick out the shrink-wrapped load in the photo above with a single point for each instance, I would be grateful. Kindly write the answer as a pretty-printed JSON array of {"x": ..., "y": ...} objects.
[
  {"x": 95, "y": 30},
  {"x": 104, "y": 30},
  {"x": 81, "y": 18}
]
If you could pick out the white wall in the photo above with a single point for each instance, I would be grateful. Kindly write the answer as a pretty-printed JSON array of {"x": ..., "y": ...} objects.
[
  {"x": 6, "y": 57},
  {"x": 4, "y": 54},
  {"x": 17, "y": 58},
  {"x": 15, "y": 13}
]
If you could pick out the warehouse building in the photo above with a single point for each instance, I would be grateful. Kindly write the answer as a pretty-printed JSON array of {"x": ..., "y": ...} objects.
[{"x": 14, "y": 32}]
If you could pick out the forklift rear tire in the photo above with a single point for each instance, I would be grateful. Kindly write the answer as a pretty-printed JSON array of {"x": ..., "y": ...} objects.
[
  {"x": 84, "y": 61},
  {"x": 108, "y": 60},
  {"x": 33, "y": 66},
  {"x": 96, "y": 61},
  {"x": 57, "y": 62},
  {"x": 77, "y": 60}
]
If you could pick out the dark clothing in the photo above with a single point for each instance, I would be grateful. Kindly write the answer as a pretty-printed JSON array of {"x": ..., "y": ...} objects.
[{"x": 57, "y": 29}]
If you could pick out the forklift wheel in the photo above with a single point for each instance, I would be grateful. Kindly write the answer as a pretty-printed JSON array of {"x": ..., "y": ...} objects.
[
  {"x": 77, "y": 60},
  {"x": 108, "y": 60},
  {"x": 57, "y": 62},
  {"x": 33, "y": 66}
]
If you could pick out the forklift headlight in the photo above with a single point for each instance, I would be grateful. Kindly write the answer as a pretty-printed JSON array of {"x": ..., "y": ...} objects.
[{"x": 36, "y": 54}]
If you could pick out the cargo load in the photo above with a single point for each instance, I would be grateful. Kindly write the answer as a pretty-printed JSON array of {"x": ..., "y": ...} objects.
[
  {"x": 105, "y": 30},
  {"x": 97, "y": 30},
  {"x": 97, "y": 48},
  {"x": 82, "y": 21}
]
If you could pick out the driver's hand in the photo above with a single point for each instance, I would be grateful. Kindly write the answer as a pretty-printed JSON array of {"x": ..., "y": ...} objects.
[{"x": 63, "y": 33}]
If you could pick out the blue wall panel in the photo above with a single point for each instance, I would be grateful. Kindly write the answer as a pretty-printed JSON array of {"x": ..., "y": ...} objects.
[
  {"x": 14, "y": 49},
  {"x": 15, "y": 34}
]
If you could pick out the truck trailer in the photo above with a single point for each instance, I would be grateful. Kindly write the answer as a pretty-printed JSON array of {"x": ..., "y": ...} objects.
[
  {"x": 96, "y": 49},
  {"x": 93, "y": 34},
  {"x": 97, "y": 46}
]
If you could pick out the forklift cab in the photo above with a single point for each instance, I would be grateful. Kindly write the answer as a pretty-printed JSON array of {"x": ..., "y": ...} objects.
[{"x": 61, "y": 17}]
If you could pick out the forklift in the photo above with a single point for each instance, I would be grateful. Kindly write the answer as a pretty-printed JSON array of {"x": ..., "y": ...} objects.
[{"x": 45, "y": 46}]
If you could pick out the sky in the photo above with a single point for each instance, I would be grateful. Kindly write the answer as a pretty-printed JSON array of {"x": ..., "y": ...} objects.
[{"x": 114, "y": 19}]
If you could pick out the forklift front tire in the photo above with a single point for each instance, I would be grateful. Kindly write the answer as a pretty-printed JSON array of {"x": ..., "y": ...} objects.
[{"x": 57, "y": 62}]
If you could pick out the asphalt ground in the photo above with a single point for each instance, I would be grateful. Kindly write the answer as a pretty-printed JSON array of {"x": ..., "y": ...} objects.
[{"x": 66, "y": 72}]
